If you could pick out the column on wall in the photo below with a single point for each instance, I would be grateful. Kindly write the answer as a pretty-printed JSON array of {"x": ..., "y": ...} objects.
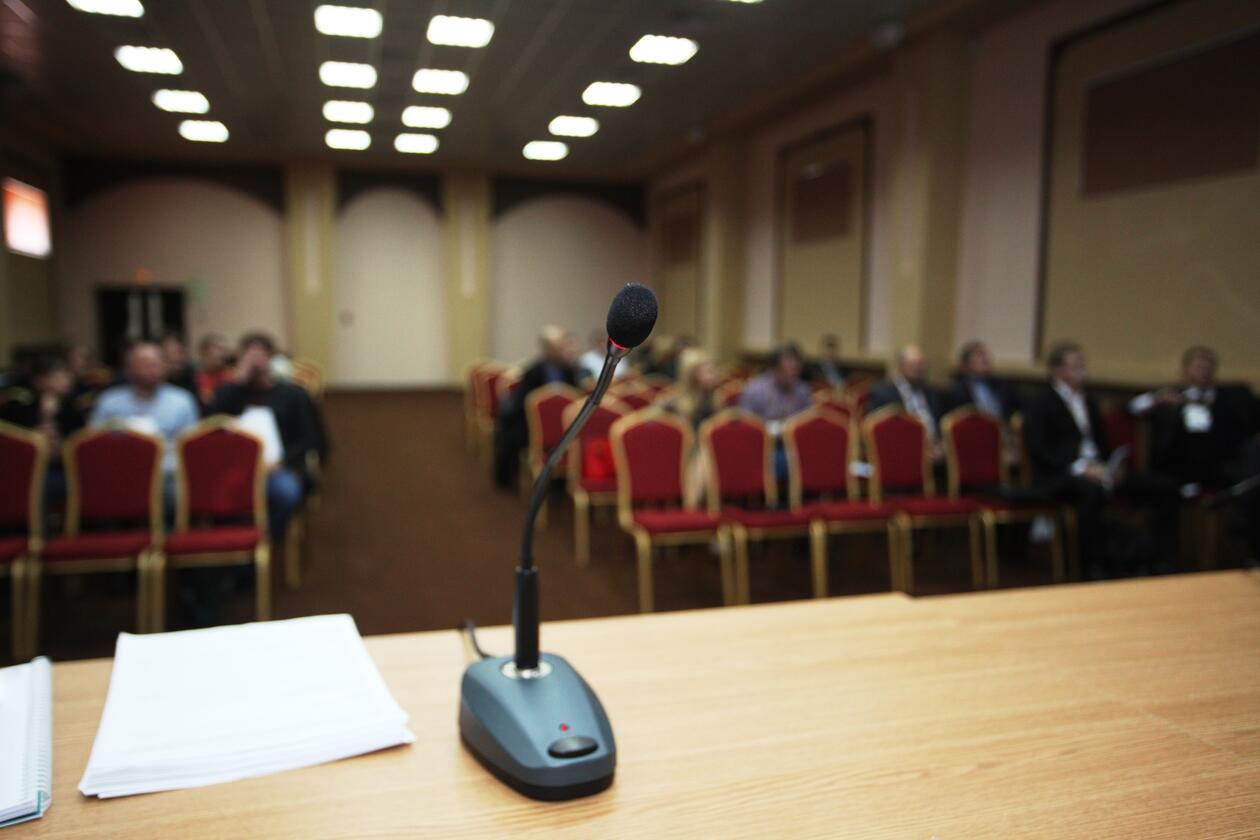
[
  {"x": 721, "y": 295},
  {"x": 927, "y": 188},
  {"x": 465, "y": 260},
  {"x": 310, "y": 200}
]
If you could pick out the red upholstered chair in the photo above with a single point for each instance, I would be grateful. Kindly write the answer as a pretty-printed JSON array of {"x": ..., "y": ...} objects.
[
  {"x": 636, "y": 399},
  {"x": 973, "y": 453},
  {"x": 835, "y": 402},
  {"x": 739, "y": 469},
  {"x": 650, "y": 450},
  {"x": 820, "y": 447},
  {"x": 24, "y": 455},
  {"x": 898, "y": 449},
  {"x": 544, "y": 418},
  {"x": 114, "y": 481},
  {"x": 592, "y": 475},
  {"x": 1123, "y": 429},
  {"x": 655, "y": 385},
  {"x": 220, "y": 510},
  {"x": 484, "y": 382},
  {"x": 727, "y": 395},
  {"x": 858, "y": 394}
]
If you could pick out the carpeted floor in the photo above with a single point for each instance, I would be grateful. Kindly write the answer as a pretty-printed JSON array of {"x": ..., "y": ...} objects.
[{"x": 411, "y": 535}]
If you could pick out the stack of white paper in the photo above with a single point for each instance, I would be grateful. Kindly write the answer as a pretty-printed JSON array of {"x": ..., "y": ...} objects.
[
  {"x": 207, "y": 706},
  {"x": 25, "y": 741}
]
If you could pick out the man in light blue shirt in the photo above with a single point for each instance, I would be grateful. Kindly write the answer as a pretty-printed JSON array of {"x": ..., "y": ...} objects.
[{"x": 147, "y": 403}]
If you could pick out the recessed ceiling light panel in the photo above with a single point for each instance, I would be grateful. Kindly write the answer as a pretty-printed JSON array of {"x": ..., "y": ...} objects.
[
  {"x": 347, "y": 74},
  {"x": 203, "y": 131},
  {"x": 339, "y": 110},
  {"x": 425, "y": 116},
  {"x": 566, "y": 126},
  {"x": 181, "y": 101},
  {"x": 149, "y": 60},
  {"x": 663, "y": 49},
  {"x": 460, "y": 31},
  {"x": 348, "y": 21},
  {"x": 448, "y": 82},
  {"x": 545, "y": 150},
  {"x": 118, "y": 8},
  {"x": 611, "y": 94},
  {"x": 352, "y": 139},
  {"x": 416, "y": 144}
]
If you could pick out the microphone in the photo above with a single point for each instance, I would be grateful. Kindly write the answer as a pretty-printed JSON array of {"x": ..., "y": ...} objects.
[{"x": 530, "y": 718}]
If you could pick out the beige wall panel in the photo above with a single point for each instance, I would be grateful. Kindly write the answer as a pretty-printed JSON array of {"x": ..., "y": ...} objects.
[
  {"x": 680, "y": 250},
  {"x": 1139, "y": 274},
  {"x": 391, "y": 305}
]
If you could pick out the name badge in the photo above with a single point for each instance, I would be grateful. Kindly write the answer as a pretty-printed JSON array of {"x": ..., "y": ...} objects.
[{"x": 1198, "y": 418}]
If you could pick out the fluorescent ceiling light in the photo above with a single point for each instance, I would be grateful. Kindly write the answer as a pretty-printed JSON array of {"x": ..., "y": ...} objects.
[
  {"x": 203, "y": 131},
  {"x": 416, "y": 144},
  {"x": 149, "y": 60},
  {"x": 746, "y": 1},
  {"x": 460, "y": 31},
  {"x": 430, "y": 80},
  {"x": 348, "y": 138},
  {"x": 545, "y": 150},
  {"x": 120, "y": 8},
  {"x": 573, "y": 126},
  {"x": 347, "y": 74},
  {"x": 339, "y": 110},
  {"x": 348, "y": 21},
  {"x": 611, "y": 94},
  {"x": 181, "y": 101},
  {"x": 663, "y": 49},
  {"x": 425, "y": 116}
]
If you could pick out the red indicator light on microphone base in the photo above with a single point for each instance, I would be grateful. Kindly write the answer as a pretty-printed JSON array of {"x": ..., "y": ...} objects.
[{"x": 564, "y": 727}]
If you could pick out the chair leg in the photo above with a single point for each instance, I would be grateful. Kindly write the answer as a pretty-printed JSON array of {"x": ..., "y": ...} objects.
[
  {"x": 989, "y": 521},
  {"x": 906, "y": 537},
  {"x": 144, "y": 597},
  {"x": 977, "y": 555},
  {"x": 581, "y": 529},
  {"x": 818, "y": 556},
  {"x": 1071, "y": 536},
  {"x": 17, "y": 592},
  {"x": 262, "y": 581},
  {"x": 34, "y": 578},
  {"x": 293, "y": 535},
  {"x": 735, "y": 587},
  {"x": 894, "y": 555},
  {"x": 1209, "y": 522},
  {"x": 1056, "y": 552},
  {"x": 643, "y": 546},
  {"x": 157, "y": 592}
]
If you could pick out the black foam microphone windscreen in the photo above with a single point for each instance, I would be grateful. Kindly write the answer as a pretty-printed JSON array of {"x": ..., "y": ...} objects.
[{"x": 632, "y": 315}]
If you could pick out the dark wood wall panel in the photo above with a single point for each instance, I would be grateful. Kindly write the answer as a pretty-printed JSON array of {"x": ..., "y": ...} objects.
[{"x": 822, "y": 203}]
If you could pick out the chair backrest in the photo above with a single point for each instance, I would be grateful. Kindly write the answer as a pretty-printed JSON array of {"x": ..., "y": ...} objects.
[
  {"x": 113, "y": 475},
  {"x": 835, "y": 402},
  {"x": 819, "y": 446},
  {"x": 727, "y": 394},
  {"x": 309, "y": 375},
  {"x": 219, "y": 474},
  {"x": 656, "y": 384},
  {"x": 544, "y": 413},
  {"x": 738, "y": 459},
  {"x": 637, "y": 399},
  {"x": 506, "y": 384},
  {"x": 590, "y": 455},
  {"x": 897, "y": 446},
  {"x": 649, "y": 449},
  {"x": 25, "y": 455},
  {"x": 858, "y": 395},
  {"x": 485, "y": 384},
  {"x": 1123, "y": 429},
  {"x": 973, "y": 449}
]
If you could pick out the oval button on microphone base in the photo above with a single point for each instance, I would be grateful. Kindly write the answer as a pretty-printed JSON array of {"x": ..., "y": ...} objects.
[{"x": 574, "y": 746}]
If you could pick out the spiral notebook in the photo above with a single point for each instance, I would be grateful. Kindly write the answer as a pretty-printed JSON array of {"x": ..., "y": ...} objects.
[{"x": 25, "y": 741}]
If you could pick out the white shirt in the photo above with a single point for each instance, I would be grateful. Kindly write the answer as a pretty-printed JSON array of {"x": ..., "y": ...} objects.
[
  {"x": 1075, "y": 401},
  {"x": 915, "y": 402}
]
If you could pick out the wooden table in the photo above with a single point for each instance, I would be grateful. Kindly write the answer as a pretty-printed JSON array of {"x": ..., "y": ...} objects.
[{"x": 1127, "y": 709}]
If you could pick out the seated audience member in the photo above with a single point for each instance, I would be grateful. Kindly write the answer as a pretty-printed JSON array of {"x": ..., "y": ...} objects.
[
  {"x": 591, "y": 363},
  {"x": 213, "y": 369},
  {"x": 148, "y": 403},
  {"x": 254, "y": 386},
  {"x": 1067, "y": 444},
  {"x": 697, "y": 379},
  {"x": 908, "y": 388},
  {"x": 779, "y": 392},
  {"x": 47, "y": 407},
  {"x": 1205, "y": 433},
  {"x": 974, "y": 384},
  {"x": 558, "y": 363},
  {"x": 664, "y": 361},
  {"x": 827, "y": 370},
  {"x": 178, "y": 370}
]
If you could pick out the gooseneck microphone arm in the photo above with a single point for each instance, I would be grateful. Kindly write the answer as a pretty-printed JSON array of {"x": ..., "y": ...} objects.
[{"x": 525, "y": 617}]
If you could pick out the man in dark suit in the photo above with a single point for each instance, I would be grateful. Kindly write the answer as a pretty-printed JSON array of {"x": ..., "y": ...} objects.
[
  {"x": 558, "y": 363},
  {"x": 908, "y": 388},
  {"x": 974, "y": 384},
  {"x": 1205, "y": 433},
  {"x": 1068, "y": 447},
  {"x": 826, "y": 369}
]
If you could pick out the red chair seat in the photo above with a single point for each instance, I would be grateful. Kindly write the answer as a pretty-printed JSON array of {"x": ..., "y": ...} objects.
[
  {"x": 213, "y": 540},
  {"x": 850, "y": 511},
  {"x": 675, "y": 521},
  {"x": 767, "y": 518},
  {"x": 599, "y": 485},
  {"x": 97, "y": 546},
  {"x": 1010, "y": 505},
  {"x": 11, "y": 547},
  {"x": 918, "y": 506}
]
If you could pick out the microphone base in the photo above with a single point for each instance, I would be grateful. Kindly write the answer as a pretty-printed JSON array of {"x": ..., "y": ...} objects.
[{"x": 543, "y": 733}]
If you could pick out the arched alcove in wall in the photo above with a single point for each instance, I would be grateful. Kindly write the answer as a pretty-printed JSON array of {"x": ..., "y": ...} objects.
[
  {"x": 559, "y": 259},
  {"x": 390, "y": 304}
]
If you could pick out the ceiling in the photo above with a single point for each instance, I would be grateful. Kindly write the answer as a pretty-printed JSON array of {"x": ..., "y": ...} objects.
[{"x": 258, "y": 60}]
